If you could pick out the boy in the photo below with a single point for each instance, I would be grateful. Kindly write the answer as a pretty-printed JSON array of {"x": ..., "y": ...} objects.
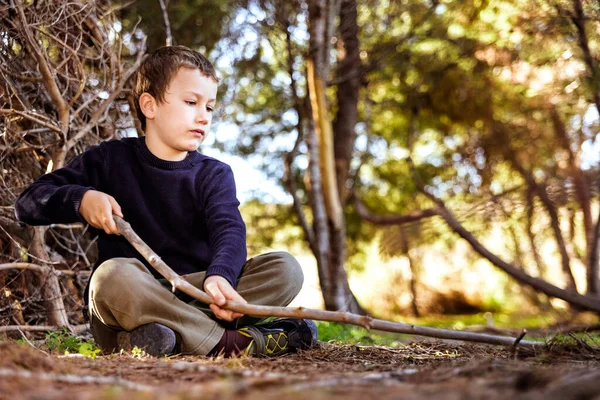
[{"x": 183, "y": 205}]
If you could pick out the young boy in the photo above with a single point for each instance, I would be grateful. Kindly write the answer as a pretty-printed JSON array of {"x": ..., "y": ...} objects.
[{"x": 183, "y": 205}]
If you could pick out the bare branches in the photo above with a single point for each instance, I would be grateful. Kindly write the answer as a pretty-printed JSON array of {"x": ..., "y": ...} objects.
[
  {"x": 47, "y": 76},
  {"x": 32, "y": 116},
  {"x": 97, "y": 116},
  {"x": 71, "y": 52},
  {"x": 63, "y": 86}
]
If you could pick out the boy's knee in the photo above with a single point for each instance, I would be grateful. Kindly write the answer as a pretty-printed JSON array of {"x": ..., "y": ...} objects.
[
  {"x": 290, "y": 270},
  {"x": 113, "y": 277}
]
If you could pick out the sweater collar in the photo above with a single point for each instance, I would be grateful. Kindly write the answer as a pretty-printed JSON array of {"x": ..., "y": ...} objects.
[{"x": 145, "y": 152}]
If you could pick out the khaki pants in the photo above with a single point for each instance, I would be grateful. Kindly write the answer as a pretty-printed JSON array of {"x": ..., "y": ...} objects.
[{"x": 125, "y": 295}]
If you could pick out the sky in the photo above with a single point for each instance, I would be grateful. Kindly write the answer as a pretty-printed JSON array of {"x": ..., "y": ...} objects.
[{"x": 250, "y": 181}]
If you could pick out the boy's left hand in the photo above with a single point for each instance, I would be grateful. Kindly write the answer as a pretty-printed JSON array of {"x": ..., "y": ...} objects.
[{"x": 221, "y": 290}]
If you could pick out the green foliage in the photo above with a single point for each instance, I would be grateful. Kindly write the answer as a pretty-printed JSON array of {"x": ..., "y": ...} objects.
[
  {"x": 194, "y": 23},
  {"x": 137, "y": 352},
  {"x": 64, "y": 342},
  {"x": 272, "y": 226},
  {"x": 351, "y": 334}
]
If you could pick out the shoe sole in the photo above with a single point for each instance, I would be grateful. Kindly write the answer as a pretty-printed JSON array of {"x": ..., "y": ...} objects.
[{"x": 155, "y": 339}]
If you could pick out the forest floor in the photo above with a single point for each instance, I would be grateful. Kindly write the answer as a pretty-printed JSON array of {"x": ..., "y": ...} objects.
[{"x": 411, "y": 370}]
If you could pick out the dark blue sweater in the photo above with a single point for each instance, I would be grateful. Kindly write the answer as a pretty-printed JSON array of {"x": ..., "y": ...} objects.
[{"x": 186, "y": 211}]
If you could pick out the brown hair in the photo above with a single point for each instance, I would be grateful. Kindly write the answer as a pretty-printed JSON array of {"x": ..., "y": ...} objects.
[{"x": 160, "y": 67}]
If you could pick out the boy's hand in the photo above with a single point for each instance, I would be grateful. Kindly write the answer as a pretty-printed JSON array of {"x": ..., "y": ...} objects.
[
  {"x": 220, "y": 290},
  {"x": 97, "y": 208}
]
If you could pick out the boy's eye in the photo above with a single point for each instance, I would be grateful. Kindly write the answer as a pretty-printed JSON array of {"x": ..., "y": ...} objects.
[
  {"x": 191, "y": 102},
  {"x": 210, "y": 109}
]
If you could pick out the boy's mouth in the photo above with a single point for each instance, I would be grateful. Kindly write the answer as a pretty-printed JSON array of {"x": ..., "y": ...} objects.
[{"x": 198, "y": 133}]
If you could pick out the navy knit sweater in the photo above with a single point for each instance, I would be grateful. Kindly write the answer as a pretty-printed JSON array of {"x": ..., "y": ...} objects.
[{"x": 186, "y": 211}]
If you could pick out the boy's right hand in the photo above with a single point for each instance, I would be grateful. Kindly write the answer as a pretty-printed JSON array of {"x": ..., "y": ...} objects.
[{"x": 97, "y": 208}]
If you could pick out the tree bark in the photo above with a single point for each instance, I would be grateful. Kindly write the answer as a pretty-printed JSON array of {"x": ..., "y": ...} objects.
[
  {"x": 317, "y": 205},
  {"x": 336, "y": 291},
  {"x": 349, "y": 79},
  {"x": 50, "y": 285},
  {"x": 413, "y": 271},
  {"x": 289, "y": 177},
  {"x": 578, "y": 19}
]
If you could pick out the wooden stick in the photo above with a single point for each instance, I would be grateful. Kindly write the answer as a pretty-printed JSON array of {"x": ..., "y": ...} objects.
[
  {"x": 42, "y": 328},
  {"x": 179, "y": 283}
]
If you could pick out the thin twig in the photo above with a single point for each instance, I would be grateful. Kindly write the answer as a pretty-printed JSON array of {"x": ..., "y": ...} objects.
[
  {"x": 42, "y": 328},
  {"x": 40, "y": 268},
  {"x": 31, "y": 344}
]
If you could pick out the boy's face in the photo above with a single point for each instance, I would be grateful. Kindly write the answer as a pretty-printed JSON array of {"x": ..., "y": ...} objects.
[{"x": 180, "y": 123}]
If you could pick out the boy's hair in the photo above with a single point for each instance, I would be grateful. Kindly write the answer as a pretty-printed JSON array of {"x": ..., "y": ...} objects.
[{"x": 160, "y": 67}]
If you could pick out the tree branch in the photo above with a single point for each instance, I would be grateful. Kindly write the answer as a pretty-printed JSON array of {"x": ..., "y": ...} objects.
[
  {"x": 47, "y": 77},
  {"x": 43, "y": 328},
  {"x": 40, "y": 268},
  {"x": 163, "y": 7},
  {"x": 392, "y": 219},
  {"x": 32, "y": 117},
  {"x": 571, "y": 297},
  {"x": 179, "y": 283},
  {"x": 95, "y": 118}
]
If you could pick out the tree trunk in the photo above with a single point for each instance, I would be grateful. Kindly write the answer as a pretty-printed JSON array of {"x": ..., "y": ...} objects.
[
  {"x": 413, "y": 271},
  {"x": 336, "y": 291},
  {"x": 348, "y": 78},
  {"x": 50, "y": 286},
  {"x": 579, "y": 18},
  {"x": 317, "y": 204}
]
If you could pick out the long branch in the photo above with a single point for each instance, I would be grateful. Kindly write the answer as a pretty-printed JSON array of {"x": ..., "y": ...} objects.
[
  {"x": 572, "y": 297},
  {"x": 40, "y": 268},
  {"x": 42, "y": 328},
  {"x": 392, "y": 219},
  {"x": 32, "y": 117},
  {"x": 179, "y": 283}
]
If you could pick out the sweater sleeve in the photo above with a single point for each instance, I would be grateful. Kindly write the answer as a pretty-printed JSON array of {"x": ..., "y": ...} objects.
[
  {"x": 55, "y": 197},
  {"x": 226, "y": 229}
]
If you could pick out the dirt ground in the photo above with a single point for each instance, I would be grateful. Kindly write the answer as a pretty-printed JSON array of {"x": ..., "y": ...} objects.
[{"x": 419, "y": 370}]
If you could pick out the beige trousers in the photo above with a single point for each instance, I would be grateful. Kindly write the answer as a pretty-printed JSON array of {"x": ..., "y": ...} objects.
[{"x": 125, "y": 295}]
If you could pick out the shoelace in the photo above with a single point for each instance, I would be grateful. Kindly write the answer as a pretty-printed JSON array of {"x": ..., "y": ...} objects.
[{"x": 269, "y": 344}]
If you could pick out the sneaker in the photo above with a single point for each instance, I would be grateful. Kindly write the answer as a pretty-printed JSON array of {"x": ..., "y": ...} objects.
[
  {"x": 155, "y": 339},
  {"x": 280, "y": 336}
]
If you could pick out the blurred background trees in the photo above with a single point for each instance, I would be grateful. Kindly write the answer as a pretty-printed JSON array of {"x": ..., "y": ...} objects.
[{"x": 395, "y": 128}]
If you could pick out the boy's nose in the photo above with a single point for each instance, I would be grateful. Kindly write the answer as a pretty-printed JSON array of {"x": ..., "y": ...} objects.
[{"x": 202, "y": 116}]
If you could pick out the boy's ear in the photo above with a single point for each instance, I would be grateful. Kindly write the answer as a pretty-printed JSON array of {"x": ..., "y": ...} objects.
[{"x": 147, "y": 105}]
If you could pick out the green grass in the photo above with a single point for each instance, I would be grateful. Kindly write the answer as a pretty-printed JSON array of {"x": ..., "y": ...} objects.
[
  {"x": 351, "y": 334},
  {"x": 63, "y": 341}
]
